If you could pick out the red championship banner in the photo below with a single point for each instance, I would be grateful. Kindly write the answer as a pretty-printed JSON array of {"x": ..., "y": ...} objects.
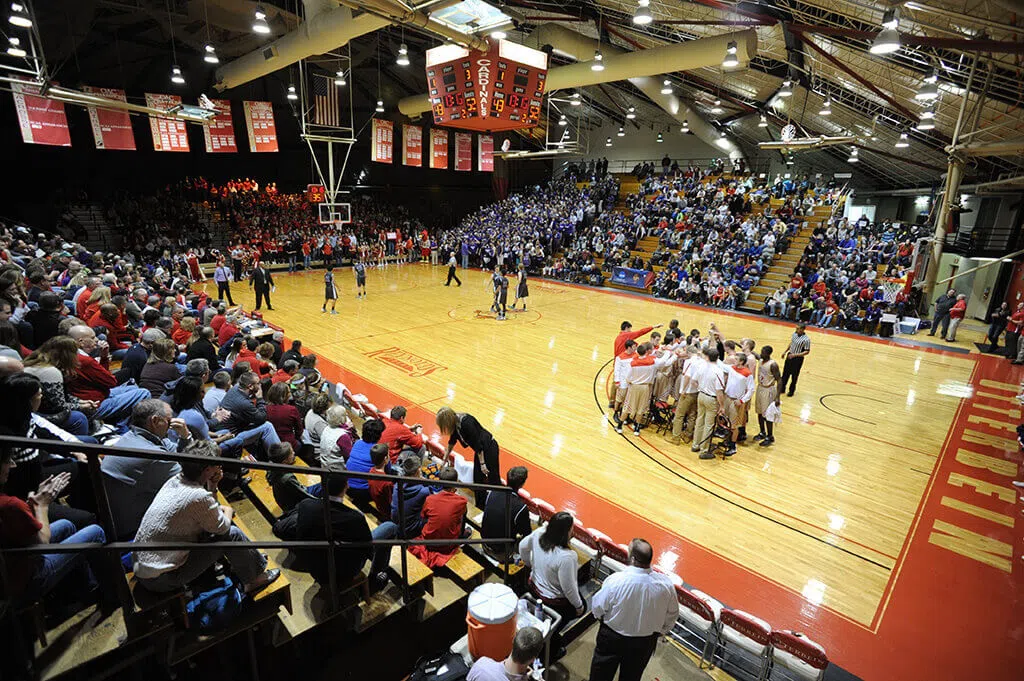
[
  {"x": 168, "y": 135},
  {"x": 111, "y": 129},
  {"x": 219, "y": 135},
  {"x": 41, "y": 119},
  {"x": 464, "y": 151},
  {"x": 383, "y": 141},
  {"x": 259, "y": 123},
  {"x": 485, "y": 153},
  {"x": 439, "y": 149},
  {"x": 412, "y": 146}
]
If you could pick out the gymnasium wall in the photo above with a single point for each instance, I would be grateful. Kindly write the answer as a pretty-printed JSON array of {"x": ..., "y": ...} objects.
[{"x": 641, "y": 144}]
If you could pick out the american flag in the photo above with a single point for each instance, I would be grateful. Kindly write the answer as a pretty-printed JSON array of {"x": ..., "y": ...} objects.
[{"x": 325, "y": 102}]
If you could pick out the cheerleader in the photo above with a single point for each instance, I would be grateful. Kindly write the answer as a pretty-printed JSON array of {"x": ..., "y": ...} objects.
[
  {"x": 522, "y": 290},
  {"x": 330, "y": 290}
]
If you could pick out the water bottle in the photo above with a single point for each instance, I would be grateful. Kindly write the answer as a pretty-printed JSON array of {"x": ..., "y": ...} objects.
[{"x": 538, "y": 611}]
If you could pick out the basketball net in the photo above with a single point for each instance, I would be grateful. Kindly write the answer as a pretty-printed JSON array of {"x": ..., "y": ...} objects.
[{"x": 891, "y": 288}]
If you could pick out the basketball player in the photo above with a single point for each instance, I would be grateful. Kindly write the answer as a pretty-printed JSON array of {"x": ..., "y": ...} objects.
[
  {"x": 768, "y": 377},
  {"x": 686, "y": 403},
  {"x": 642, "y": 369},
  {"x": 502, "y": 297},
  {"x": 452, "y": 264},
  {"x": 739, "y": 388},
  {"x": 495, "y": 285},
  {"x": 330, "y": 290},
  {"x": 522, "y": 290},
  {"x": 621, "y": 375},
  {"x": 710, "y": 402},
  {"x": 360, "y": 269}
]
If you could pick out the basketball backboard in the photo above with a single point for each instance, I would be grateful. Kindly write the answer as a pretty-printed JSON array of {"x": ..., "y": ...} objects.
[{"x": 340, "y": 213}]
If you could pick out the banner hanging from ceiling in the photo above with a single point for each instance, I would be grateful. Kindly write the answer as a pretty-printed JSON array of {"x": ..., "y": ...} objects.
[
  {"x": 463, "y": 151},
  {"x": 219, "y": 135},
  {"x": 485, "y": 153},
  {"x": 42, "y": 120},
  {"x": 168, "y": 134},
  {"x": 412, "y": 146},
  {"x": 438, "y": 149},
  {"x": 259, "y": 123},
  {"x": 110, "y": 129},
  {"x": 383, "y": 141}
]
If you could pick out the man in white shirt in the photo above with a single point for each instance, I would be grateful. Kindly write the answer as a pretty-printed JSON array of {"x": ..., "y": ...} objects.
[
  {"x": 635, "y": 607},
  {"x": 739, "y": 388},
  {"x": 686, "y": 405},
  {"x": 710, "y": 402},
  {"x": 621, "y": 375},
  {"x": 527, "y": 645}
]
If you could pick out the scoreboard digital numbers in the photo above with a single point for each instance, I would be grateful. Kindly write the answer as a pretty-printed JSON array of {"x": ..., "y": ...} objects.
[{"x": 501, "y": 89}]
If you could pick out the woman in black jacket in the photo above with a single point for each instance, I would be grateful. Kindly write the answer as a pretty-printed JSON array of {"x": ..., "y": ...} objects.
[{"x": 467, "y": 431}]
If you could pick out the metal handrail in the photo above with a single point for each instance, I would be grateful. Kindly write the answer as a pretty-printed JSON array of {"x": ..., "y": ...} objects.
[{"x": 93, "y": 452}]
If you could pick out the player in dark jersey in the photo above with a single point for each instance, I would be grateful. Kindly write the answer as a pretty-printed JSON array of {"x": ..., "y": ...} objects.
[
  {"x": 330, "y": 290},
  {"x": 502, "y": 299},
  {"x": 495, "y": 286},
  {"x": 360, "y": 269}
]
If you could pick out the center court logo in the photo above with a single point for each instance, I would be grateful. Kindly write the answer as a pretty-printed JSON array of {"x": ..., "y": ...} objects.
[{"x": 413, "y": 365}]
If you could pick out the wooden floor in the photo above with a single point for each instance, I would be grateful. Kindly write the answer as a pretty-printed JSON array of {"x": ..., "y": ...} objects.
[{"x": 826, "y": 513}]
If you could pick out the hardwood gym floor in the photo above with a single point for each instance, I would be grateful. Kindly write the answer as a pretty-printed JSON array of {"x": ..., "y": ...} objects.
[{"x": 817, "y": 534}]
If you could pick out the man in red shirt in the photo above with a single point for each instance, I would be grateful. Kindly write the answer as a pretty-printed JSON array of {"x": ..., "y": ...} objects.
[
  {"x": 248, "y": 354},
  {"x": 445, "y": 516},
  {"x": 627, "y": 333},
  {"x": 288, "y": 369},
  {"x": 956, "y": 315},
  {"x": 397, "y": 435},
  {"x": 1013, "y": 329},
  {"x": 381, "y": 491},
  {"x": 227, "y": 330},
  {"x": 94, "y": 383}
]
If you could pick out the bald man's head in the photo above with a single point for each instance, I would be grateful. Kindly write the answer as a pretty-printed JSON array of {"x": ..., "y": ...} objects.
[{"x": 640, "y": 553}]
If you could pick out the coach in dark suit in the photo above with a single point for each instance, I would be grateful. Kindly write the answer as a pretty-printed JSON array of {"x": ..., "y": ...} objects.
[{"x": 262, "y": 281}]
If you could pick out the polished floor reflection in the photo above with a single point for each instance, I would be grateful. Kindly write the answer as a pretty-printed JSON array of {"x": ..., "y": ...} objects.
[{"x": 816, "y": 527}]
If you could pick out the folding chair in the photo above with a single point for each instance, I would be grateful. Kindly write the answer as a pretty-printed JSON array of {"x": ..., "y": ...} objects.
[
  {"x": 794, "y": 656},
  {"x": 747, "y": 635},
  {"x": 699, "y": 618},
  {"x": 544, "y": 510}
]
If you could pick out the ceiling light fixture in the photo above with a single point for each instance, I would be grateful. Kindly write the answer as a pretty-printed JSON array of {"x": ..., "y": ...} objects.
[
  {"x": 928, "y": 113},
  {"x": 575, "y": 100},
  {"x": 15, "y": 49},
  {"x": 731, "y": 60},
  {"x": 787, "y": 88},
  {"x": 292, "y": 94},
  {"x": 763, "y": 123},
  {"x": 622, "y": 131},
  {"x": 930, "y": 88},
  {"x": 660, "y": 138},
  {"x": 717, "y": 108},
  {"x": 608, "y": 142},
  {"x": 176, "y": 76},
  {"x": 380, "y": 106},
  {"x": 853, "y": 156},
  {"x": 642, "y": 16},
  {"x": 926, "y": 124},
  {"x": 563, "y": 120},
  {"x": 826, "y": 108},
  {"x": 339, "y": 78},
  {"x": 666, "y": 87},
  {"x": 499, "y": 34},
  {"x": 631, "y": 113},
  {"x": 888, "y": 39},
  {"x": 19, "y": 16},
  {"x": 903, "y": 142},
  {"x": 211, "y": 55},
  {"x": 403, "y": 55},
  {"x": 260, "y": 25},
  {"x": 598, "y": 64},
  {"x": 686, "y": 127}
]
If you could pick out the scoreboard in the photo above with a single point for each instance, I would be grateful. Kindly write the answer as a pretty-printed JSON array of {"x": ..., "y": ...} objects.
[{"x": 501, "y": 89}]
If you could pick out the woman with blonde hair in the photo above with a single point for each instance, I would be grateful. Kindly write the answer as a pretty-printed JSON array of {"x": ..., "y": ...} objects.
[
  {"x": 160, "y": 368},
  {"x": 185, "y": 334},
  {"x": 100, "y": 297},
  {"x": 465, "y": 430}
]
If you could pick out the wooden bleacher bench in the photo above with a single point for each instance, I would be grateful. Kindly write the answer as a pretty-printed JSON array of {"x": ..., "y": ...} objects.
[{"x": 278, "y": 592}]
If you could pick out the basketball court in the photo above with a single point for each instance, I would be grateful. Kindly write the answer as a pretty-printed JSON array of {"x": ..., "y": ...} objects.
[{"x": 883, "y": 511}]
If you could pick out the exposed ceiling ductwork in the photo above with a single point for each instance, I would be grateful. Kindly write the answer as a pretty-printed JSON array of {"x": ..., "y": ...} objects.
[{"x": 638, "y": 67}]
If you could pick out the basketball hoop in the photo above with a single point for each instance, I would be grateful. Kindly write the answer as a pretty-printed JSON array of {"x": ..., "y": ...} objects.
[{"x": 891, "y": 288}]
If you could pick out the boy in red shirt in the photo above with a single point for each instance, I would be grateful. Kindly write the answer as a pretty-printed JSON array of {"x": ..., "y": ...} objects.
[
  {"x": 445, "y": 516},
  {"x": 381, "y": 490}
]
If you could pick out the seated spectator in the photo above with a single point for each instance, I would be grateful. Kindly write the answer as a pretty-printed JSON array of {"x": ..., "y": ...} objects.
[
  {"x": 109, "y": 320},
  {"x": 361, "y": 461},
  {"x": 186, "y": 510},
  {"x": 132, "y": 482},
  {"x": 553, "y": 567},
  {"x": 228, "y": 330},
  {"x": 93, "y": 381},
  {"x": 413, "y": 495},
  {"x": 284, "y": 375},
  {"x": 135, "y": 358},
  {"x": 347, "y": 524},
  {"x": 315, "y": 423},
  {"x": 22, "y": 524},
  {"x": 493, "y": 525},
  {"x": 381, "y": 491},
  {"x": 294, "y": 354},
  {"x": 287, "y": 489},
  {"x": 527, "y": 646},
  {"x": 182, "y": 336},
  {"x": 215, "y": 395},
  {"x": 46, "y": 318},
  {"x": 245, "y": 404},
  {"x": 337, "y": 439},
  {"x": 397, "y": 436},
  {"x": 51, "y": 363},
  {"x": 283, "y": 415},
  {"x": 187, "y": 403},
  {"x": 444, "y": 516},
  {"x": 248, "y": 354},
  {"x": 161, "y": 367},
  {"x": 203, "y": 348}
]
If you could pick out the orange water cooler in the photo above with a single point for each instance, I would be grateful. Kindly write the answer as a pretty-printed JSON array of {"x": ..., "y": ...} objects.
[{"x": 491, "y": 621}]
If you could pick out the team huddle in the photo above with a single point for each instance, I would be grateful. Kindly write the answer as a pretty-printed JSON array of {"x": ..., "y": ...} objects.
[{"x": 712, "y": 381}]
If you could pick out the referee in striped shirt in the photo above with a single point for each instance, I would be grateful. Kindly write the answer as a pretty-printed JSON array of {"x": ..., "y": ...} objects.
[{"x": 799, "y": 347}]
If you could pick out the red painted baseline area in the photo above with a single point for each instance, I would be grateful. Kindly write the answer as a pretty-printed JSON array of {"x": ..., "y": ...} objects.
[{"x": 942, "y": 616}]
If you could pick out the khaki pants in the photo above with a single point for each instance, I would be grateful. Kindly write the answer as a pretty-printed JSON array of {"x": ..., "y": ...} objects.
[
  {"x": 686, "y": 409},
  {"x": 707, "y": 413},
  {"x": 620, "y": 397}
]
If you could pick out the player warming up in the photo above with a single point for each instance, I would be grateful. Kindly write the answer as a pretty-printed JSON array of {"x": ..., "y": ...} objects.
[
  {"x": 522, "y": 289},
  {"x": 330, "y": 290},
  {"x": 360, "y": 269}
]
